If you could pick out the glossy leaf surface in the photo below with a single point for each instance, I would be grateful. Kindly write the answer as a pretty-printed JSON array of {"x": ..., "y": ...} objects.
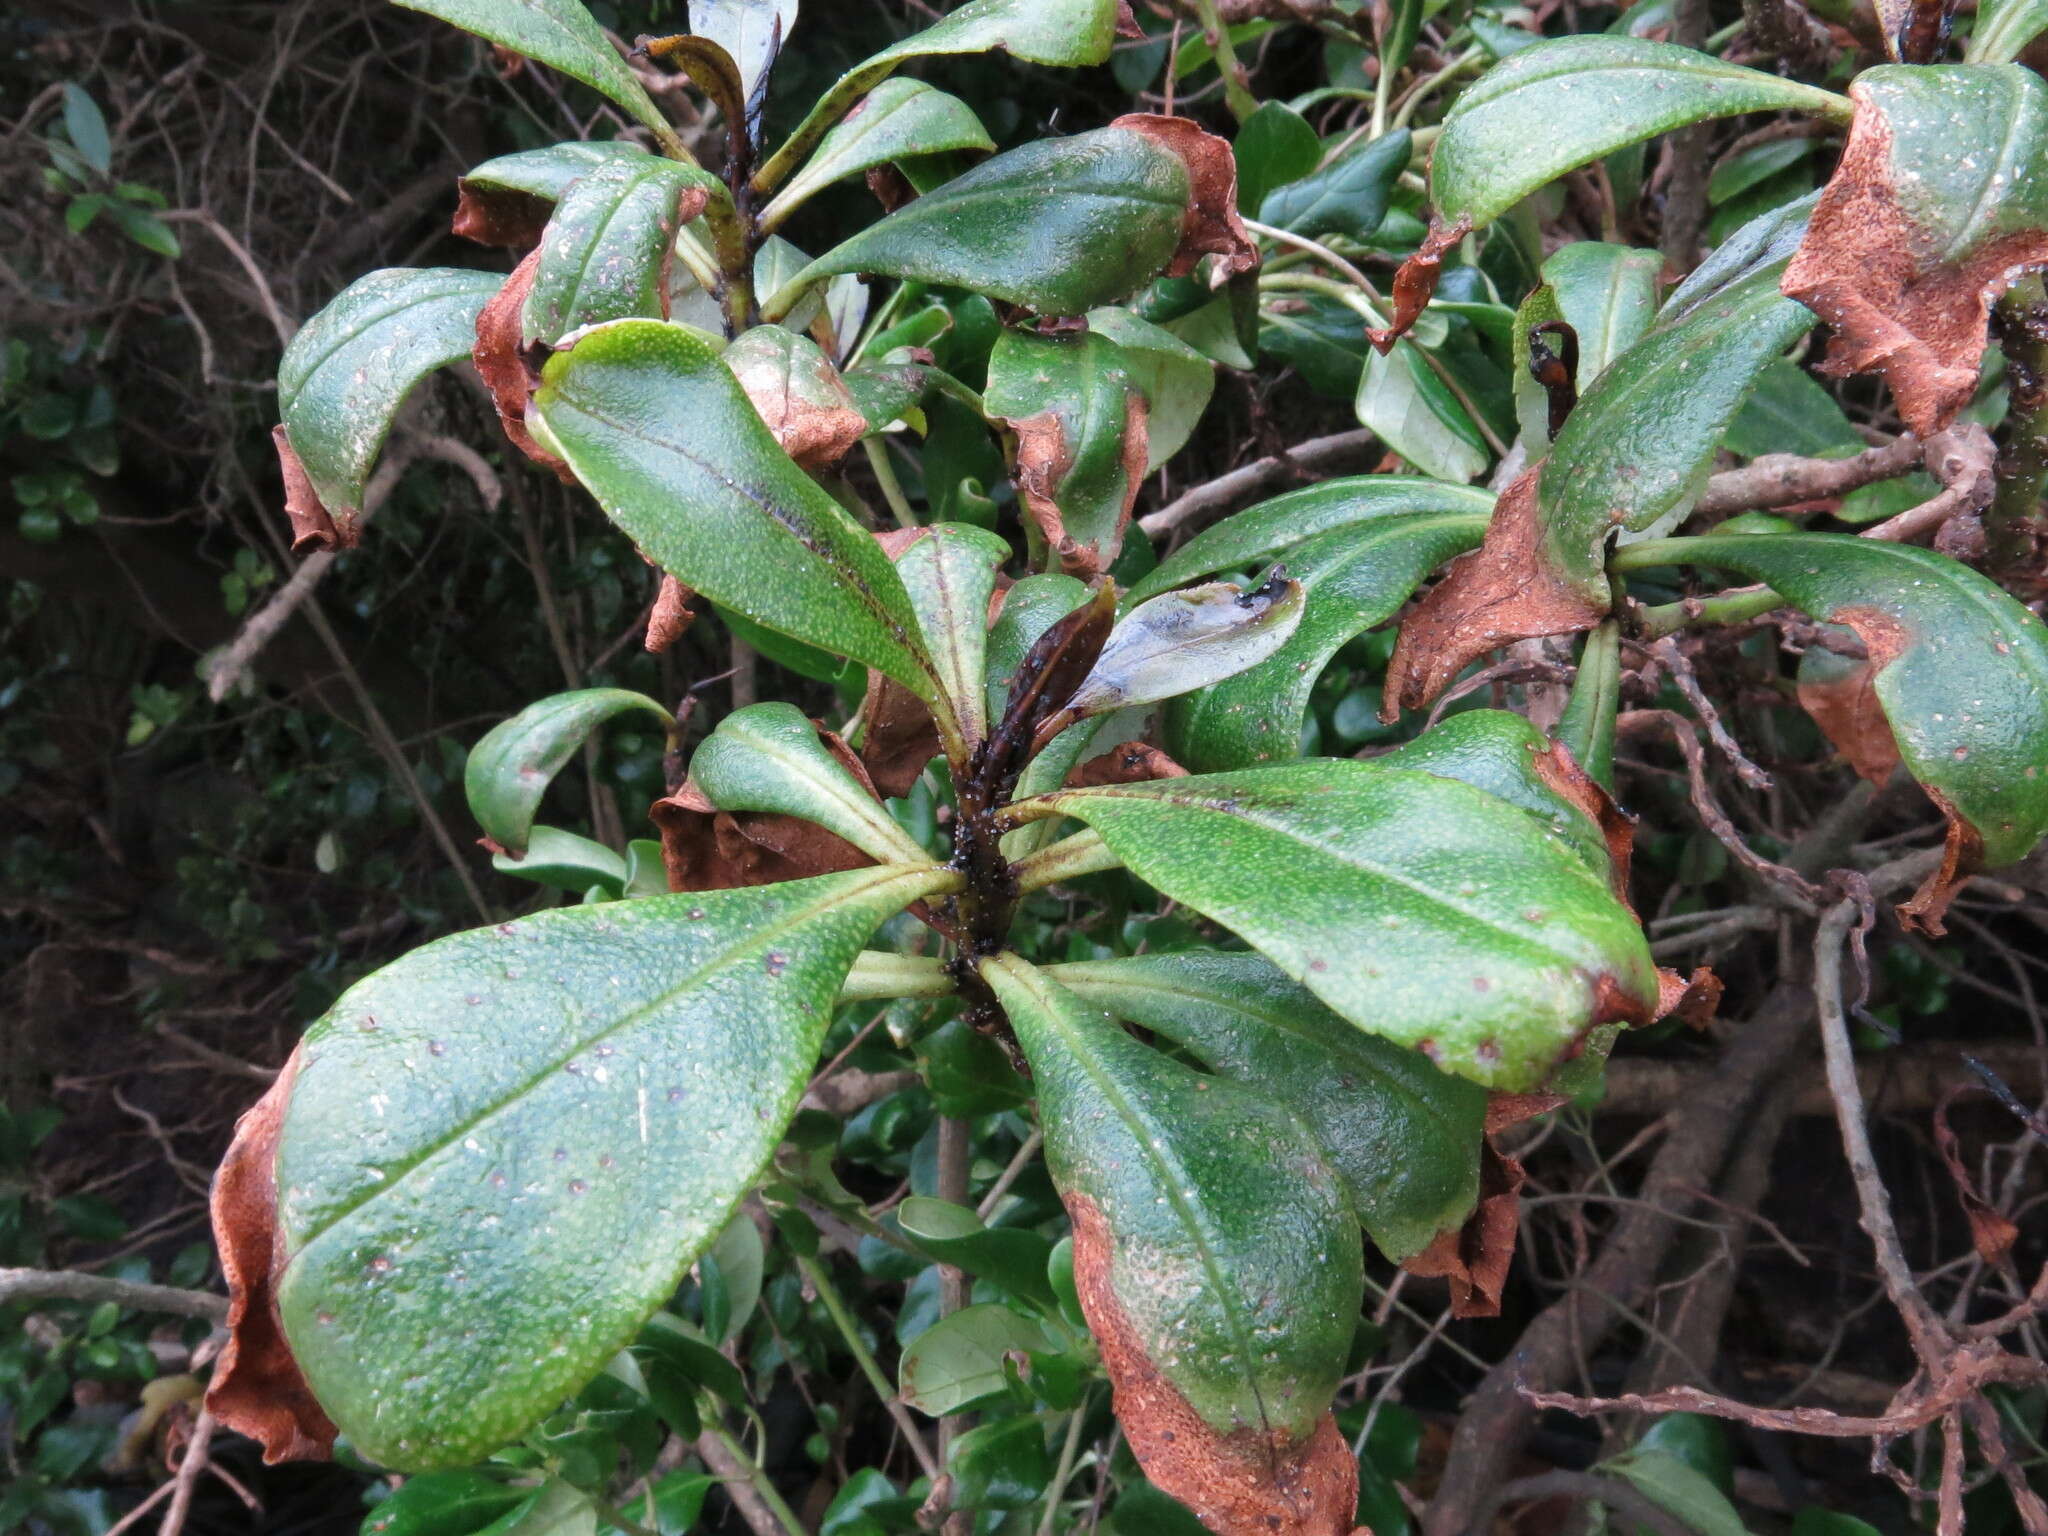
[
  {"x": 1962, "y": 674},
  {"x": 474, "y": 1121},
  {"x": 1222, "y": 1289},
  {"x": 1607, "y": 294},
  {"x": 899, "y": 119},
  {"x": 768, "y": 757},
  {"x": 1029, "y": 609},
  {"x": 752, "y": 33},
  {"x": 1402, "y": 399},
  {"x": 1353, "y": 577},
  {"x": 1346, "y": 197},
  {"x": 950, "y": 574},
  {"x": 660, "y": 432},
  {"x": 1403, "y": 1136},
  {"x": 1174, "y": 378},
  {"x": 1417, "y": 907},
  {"x": 1057, "y": 225},
  {"x": 2004, "y": 28},
  {"x": 510, "y": 769},
  {"x": 560, "y": 34},
  {"x": 1181, "y": 641},
  {"x": 548, "y": 173},
  {"x": 1551, "y": 108},
  {"x": 350, "y": 367},
  {"x": 605, "y": 254},
  {"x": 1011, "y": 1256},
  {"x": 957, "y": 1363}
]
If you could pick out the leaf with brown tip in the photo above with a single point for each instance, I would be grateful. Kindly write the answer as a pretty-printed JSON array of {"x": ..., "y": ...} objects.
[
  {"x": 499, "y": 357},
  {"x": 257, "y": 1387},
  {"x": 313, "y": 526},
  {"x": 799, "y": 395},
  {"x": 1474, "y": 1258},
  {"x": 706, "y": 849},
  {"x": 1211, "y": 226},
  {"x": 1939, "y": 203},
  {"x": 1840, "y": 693}
]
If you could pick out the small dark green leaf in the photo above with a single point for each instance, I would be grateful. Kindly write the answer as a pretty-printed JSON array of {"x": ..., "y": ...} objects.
[
  {"x": 1057, "y": 225},
  {"x": 501, "y": 1151},
  {"x": 1276, "y": 145},
  {"x": 1402, "y": 399},
  {"x": 562, "y": 35},
  {"x": 1550, "y": 108},
  {"x": 950, "y": 574},
  {"x": 1002, "y": 1465},
  {"x": 1787, "y": 411},
  {"x": 351, "y": 366},
  {"x": 660, "y": 432},
  {"x": 1346, "y": 197},
  {"x": 1403, "y": 1136},
  {"x": 145, "y": 229},
  {"x": 1678, "y": 1489},
  {"x": 606, "y": 252},
  {"x": 682, "y": 1349},
  {"x": 1354, "y": 576},
  {"x": 956, "y": 1365},
  {"x": 87, "y": 128},
  {"x": 1419, "y": 908},
  {"x": 1010, "y": 1256},
  {"x": 899, "y": 118},
  {"x": 510, "y": 769},
  {"x": 768, "y": 757},
  {"x": 460, "y": 1502}
]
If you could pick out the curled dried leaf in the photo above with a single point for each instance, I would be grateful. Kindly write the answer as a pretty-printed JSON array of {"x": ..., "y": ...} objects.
[
  {"x": 1912, "y": 240},
  {"x": 1249, "y": 1482},
  {"x": 670, "y": 616},
  {"x": 1211, "y": 225},
  {"x": 1693, "y": 999},
  {"x": 1474, "y": 1258},
  {"x": 899, "y": 738},
  {"x": 313, "y": 526},
  {"x": 257, "y": 1387},
  {"x": 706, "y": 849},
  {"x": 500, "y": 216},
  {"x": 1415, "y": 283},
  {"x": 1502, "y": 592},
  {"x": 1992, "y": 1232},
  {"x": 1558, "y": 769},
  {"x": 500, "y": 359},
  {"x": 1962, "y": 854},
  {"x": 1840, "y": 693},
  {"x": 1130, "y": 762},
  {"x": 1045, "y": 476}
]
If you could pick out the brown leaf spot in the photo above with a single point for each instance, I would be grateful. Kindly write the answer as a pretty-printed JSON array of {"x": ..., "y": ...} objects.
[
  {"x": 1848, "y": 714},
  {"x": 706, "y": 849},
  {"x": 1250, "y": 1482},
  {"x": 1501, "y": 592},
  {"x": 1134, "y": 762},
  {"x": 1474, "y": 1258},
  {"x": 257, "y": 1388},
  {"x": 313, "y": 526},
  {"x": 803, "y": 402},
  {"x": 1415, "y": 282},
  {"x": 1044, "y": 460},
  {"x": 501, "y": 217},
  {"x": 1558, "y": 769},
  {"x": 1896, "y": 304},
  {"x": 1211, "y": 225},
  {"x": 670, "y": 616},
  {"x": 500, "y": 359}
]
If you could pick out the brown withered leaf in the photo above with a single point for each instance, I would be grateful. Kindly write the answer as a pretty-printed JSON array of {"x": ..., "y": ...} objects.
[
  {"x": 1843, "y": 702},
  {"x": 1211, "y": 226},
  {"x": 799, "y": 395},
  {"x": 313, "y": 526},
  {"x": 1127, "y": 26},
  {"x": 1415, "y": 283},
  {"x": 1045, "y": 460},
  {"x": 1133, "y": 762},
  {"x": 1898, "y": 302},
  {"x": 1962, "y": 854},
  {"x": 899, "y": 738},
  {"x": 891, "y": 188},
  {"x": 1474, "y": 1259},
  {"x": 1250, "y": 1482},
  {"x": 1500, "y": 592},
  {"x": 1992, "y": 1232},
  {"x": 706, "y": 849},
  {"x": 1693, "y": 999},
  {"x": 670, "y": 616},
  {"x": 1556, "y": 767},
  {"x": 499, "y": 216},
  {"x": 500, "y": 359},
  {"x": 257, "y": 1388}
]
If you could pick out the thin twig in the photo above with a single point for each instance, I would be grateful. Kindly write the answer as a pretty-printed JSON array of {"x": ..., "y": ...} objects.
[
  {"x": 18, "y": 1285},
  {"x": 1213, "y": 498}
]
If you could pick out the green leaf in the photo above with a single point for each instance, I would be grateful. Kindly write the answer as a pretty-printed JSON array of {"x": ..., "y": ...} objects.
[
  {"x": 559, "y": 1509},
  {"x": 1419, "y": 908},
  {"x": 1497, "y": 750},
  {"x": 1276, "y": 145},
  {"x": 1787, "y": 411},
  {"x": 1058, "y": 32},
  {"x": 1010, "y": 1256},
  {"x": 1402, "y": 1136},
  {"x": 2003, "y": 30},
  {"x": 1174, "y": 378},
  {"x": 460, "y": 1502},
  {"x": 350, "y": 367},
  {"x": 683, "y": 1350},
  {"x": 1354, "y": 576},
  {"x": 1637, "y": 451},
  {"x": 1181, "y": 641},
  {"x": 1740, "y": 172},
  {"x": 509, "y": 771},
  {"x": 1003, "y": 1465},
  {"x": 502, "y": 1151},
  {"x": 660, "y": 432},
  {"x": 1963, "y": 668},
  {"x": 145, "y": 229},
  {"x": 81, "y": 211},
  {"x": 565, "y": 861},
  {"x": 899, "y": 118},
  {"x": 950, "y": 573},
  {"x": 1237, "y": 1279},
  {"x": 1401, "y": 398},
  {"x": 1268, "y": 530},
  {"x": 1346, "y": 197},
  {"x": 1057, "y": 225},
  {"x": 1680, "y": 1490},
  {"x": 562, "y": 35},
  {"x": 1698, "y": 1441},
  {"x": 752, "y": 33},
  {"x": 1607, "y": 294},
  {"x": 956, "y": 1365},
  {"x": 1069, "y": 398},
  {"x": 86, "y": 127},
  {"x": 1561, "y": 104},
  {"x": 767, "y": 757},
  {"x": 605, "y": 254},
  {"x": 548, "y": 173}
]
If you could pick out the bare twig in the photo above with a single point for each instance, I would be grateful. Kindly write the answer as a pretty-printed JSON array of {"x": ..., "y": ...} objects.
[
  {"x": 19, "y": 1285},
  {"x": 1965, "y": 461},
  {"x": 1778, "y": 479},
  {"x": 1213, "y": 498}
]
